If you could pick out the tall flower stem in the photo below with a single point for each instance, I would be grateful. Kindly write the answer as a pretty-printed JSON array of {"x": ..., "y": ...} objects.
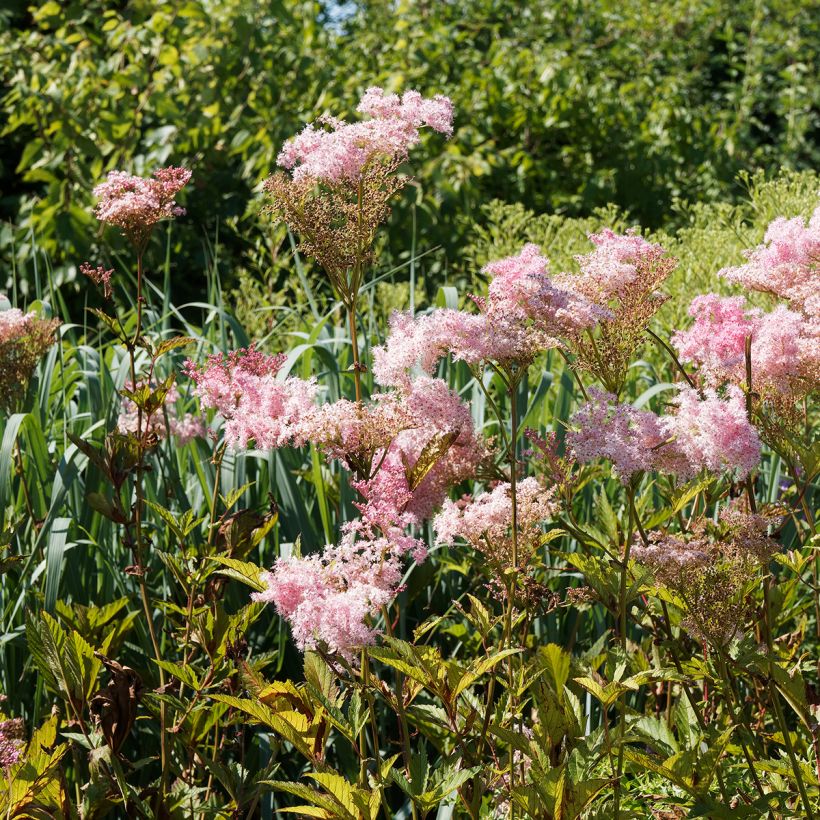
[
  {"x": 633, "y": 516},
  {"x": 139, "y": 549},
  {"x": 354, "y": 343},
  {"x": 738, "y": 718}
]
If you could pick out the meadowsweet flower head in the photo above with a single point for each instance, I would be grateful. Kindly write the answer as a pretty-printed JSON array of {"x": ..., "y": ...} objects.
[
  {"x": 704, "y": 433},
  {"x": 340, "y": 177},
  {"x": 342, "y": 152},
  {"x": 328, "y": 599},
  {"x": 622, "y": 275},
  {"x": 710, "y": 569},
  {"x": 485, "y": 521},
  {"x": 136, "y": 204},
  {"x": 258, "y": 407},
  {"x": 523, "y": 314},
  {"x": 716, "y": 341},
  {"x": 24, "y": 338},
  {"x": 438, "y": 450},
  {"x": 713, "y": 433},
  {"x": 786, "y": 264}
]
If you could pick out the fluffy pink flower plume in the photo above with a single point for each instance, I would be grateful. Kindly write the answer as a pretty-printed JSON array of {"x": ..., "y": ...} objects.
[
  {"x": 614, "y": 269},
  {"x": 786, "y": 264},
  {"x": 165, "y": 422},
  {"x": 785, "y": 348},
  {"x": 328, "y": 598},
  {"x": 713, "y": 433},
  {"x": 630, "y": 438},
  {"x": 485, "y": 521},
  {"x": 716, "y": 342},
  {"x": 324, "y": 606},
  {"x": 710, "y": 433},
  {"x": 136, "y": 204},
  {"x": 440, "y": 420},
  {"x": 524, "y": 312},
  {"x": 258, "y": 407},
  {"x": 14, "y": 323},
  {"x": 341, "y": 153}
]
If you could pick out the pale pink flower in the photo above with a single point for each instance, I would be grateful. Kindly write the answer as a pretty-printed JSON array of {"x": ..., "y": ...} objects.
[
  {"x": 340, "y": 154},
  {"x": 485, "y": 521},
  {"x": 713, "y": 433},
  {"x": 136, "y": 204},
  {"x": 709, "y": 433},
  {"x": 620, "y": 266},
  {"x": 716, "y": 342},
  {"x": 257, "y": 406},
  {"x": 443, "y": 434},
  {"x": 523, "y": 314},
  {"x": 630, "y": 438},
  {"x": 785, "y": 264},
  {"x": 328, "y": 599}
]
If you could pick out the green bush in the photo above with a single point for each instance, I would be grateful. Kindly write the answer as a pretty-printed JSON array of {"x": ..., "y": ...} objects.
[{"x": 562, "y": 106}]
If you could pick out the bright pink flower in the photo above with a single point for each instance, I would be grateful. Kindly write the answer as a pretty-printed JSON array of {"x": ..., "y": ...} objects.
[
  {"x": 628, "y": 437},
  {"x": 436, "y": 113},
  {"x": 135, "y": 204},
  {"x": 785, "y": 264},
  {"x": 716, "y": 342},
  {"x": 785, "y": 345}
]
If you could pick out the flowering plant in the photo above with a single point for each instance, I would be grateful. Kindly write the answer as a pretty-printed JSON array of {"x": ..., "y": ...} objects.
[{"x": 489, "y": 562}]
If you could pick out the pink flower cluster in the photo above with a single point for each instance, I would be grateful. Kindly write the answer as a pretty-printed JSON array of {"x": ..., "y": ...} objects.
[
  {"x": 704, "y": 433},
  {"x": 163, "y": 423},
  {"x": 341, "y": 154},
  {"x": 786, "y": 264},
  {"x": 328, "y": 598},
  {"x": 135, "y": 204},
  {"x": 620, "y": 266},
  {"x": 12, "y": 742},
  {"x": 258, "y": 407},
  {"x": 14, "y": 324},
  {"x": 485, "y": 521},
  {"x": 405, "y": 448},
  {"x": 524, "y": 312},
  {"x": 785, "y": 345}
]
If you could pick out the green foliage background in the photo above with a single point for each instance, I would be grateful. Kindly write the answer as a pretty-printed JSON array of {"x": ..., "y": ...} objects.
[{"x": 562, "y": 106}]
